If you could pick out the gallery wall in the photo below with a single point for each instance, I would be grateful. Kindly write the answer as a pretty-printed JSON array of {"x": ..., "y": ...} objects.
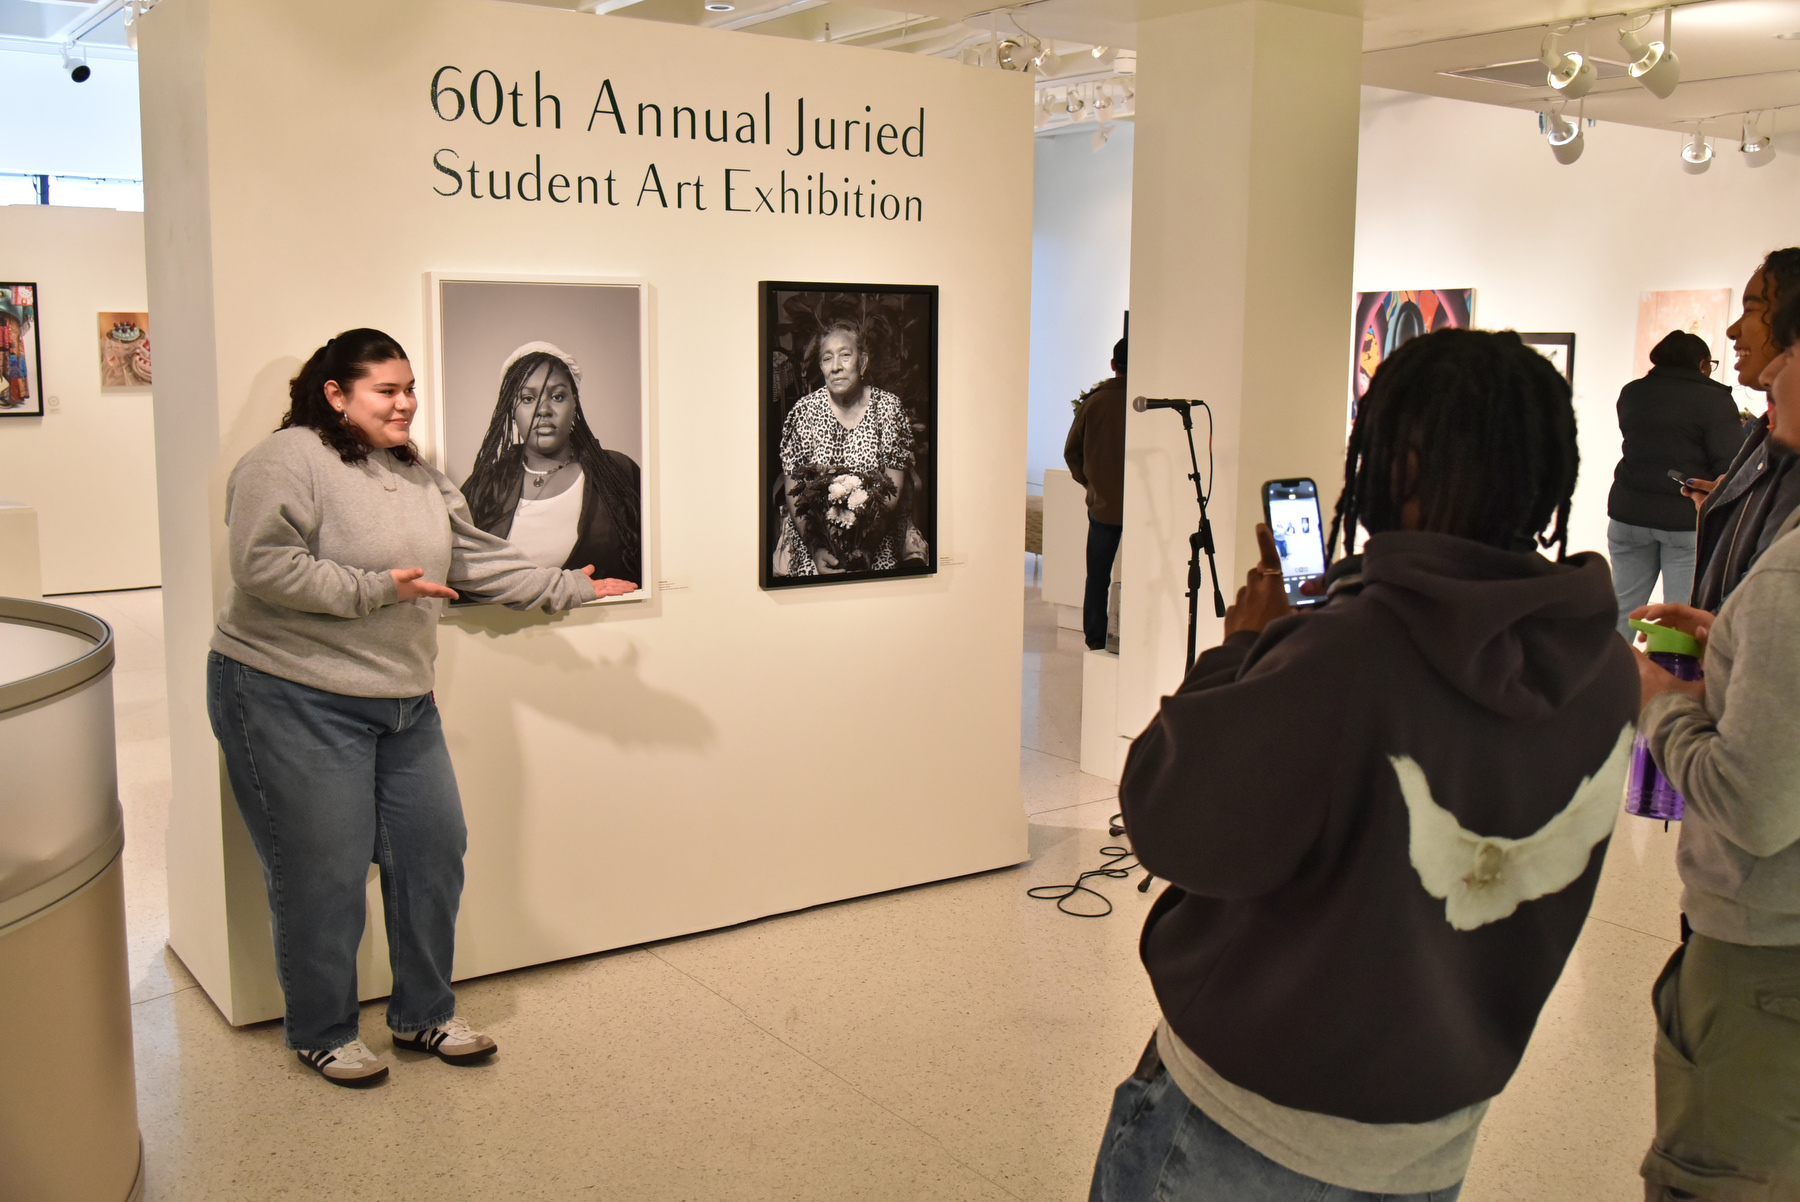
[
  {"x": 88, "y": 464},
  {"x": 1459, "y": 195},
  {"x": 1080, "y": 277},
  {"x": 634, "y": 771}
]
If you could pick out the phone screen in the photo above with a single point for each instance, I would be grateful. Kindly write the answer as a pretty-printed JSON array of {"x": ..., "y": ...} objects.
[{"x": 1291, "y": 507}]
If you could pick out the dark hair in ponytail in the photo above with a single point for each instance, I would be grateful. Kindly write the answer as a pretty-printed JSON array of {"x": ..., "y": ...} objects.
[{"x": 345, "y": 359}]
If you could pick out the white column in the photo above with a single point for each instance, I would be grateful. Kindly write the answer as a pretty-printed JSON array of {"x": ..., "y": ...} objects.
[{"x": 1243, "y": 224}]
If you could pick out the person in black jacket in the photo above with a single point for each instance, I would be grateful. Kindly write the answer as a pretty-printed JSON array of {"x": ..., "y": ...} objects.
[
  {"x": 1675, "y": 418},
  {"x": 1382, "y": 820}
]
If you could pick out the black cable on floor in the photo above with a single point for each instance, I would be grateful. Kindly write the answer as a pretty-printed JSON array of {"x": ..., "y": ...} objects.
[{"x": 1113, "y": 869}]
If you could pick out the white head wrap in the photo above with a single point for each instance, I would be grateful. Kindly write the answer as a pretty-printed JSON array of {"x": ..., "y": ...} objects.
[{"x": 547, "y": 348}]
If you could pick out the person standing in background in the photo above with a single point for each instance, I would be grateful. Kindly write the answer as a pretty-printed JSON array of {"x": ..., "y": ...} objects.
[
  {"x": 1741, "y": 510},
  {"x": 1675, "y": 418},
  {"x": 1095, "y": 453}
]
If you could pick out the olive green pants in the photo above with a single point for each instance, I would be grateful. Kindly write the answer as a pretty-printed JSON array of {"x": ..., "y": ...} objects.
[{"x": 1727, "y": 1074}]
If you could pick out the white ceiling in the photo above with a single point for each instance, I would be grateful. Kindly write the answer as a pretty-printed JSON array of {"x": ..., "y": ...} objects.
[{"x": 1732, "y": 59}]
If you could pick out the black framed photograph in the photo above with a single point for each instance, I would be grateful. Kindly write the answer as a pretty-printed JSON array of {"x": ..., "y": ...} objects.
[
  {"x": 1558, "y": 348},
  {"x": 542, "y": 414},
  {"x": 21, "y": 374},
  {"x": 848, "y": 432}
]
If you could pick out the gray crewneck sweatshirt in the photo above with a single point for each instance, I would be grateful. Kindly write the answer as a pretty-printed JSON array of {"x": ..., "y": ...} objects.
[
  {"x": 312, "y": 540},
  {"x": 1737, "y": 763}
]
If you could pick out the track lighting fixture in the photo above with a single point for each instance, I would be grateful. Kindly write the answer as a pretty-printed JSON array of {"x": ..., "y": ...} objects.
[
  {"x": 1652, "y": 64},
  {"x": 1566, "y": 138},
  {"x": 1101, "y": 134},
  {"x": 1011, "y": 55},
  {"x": 74, "y": 61},
  {"x": 1697, "y": 155},
  {"x": 1570, "y": 73},
  {"x": 1758, "y": 148},
  {"x": 1126, "y": 62},
  {"x": 1099, "y": 51}
]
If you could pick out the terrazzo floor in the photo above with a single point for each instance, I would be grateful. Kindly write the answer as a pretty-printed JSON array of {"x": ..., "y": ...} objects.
[{"x": 952, "y": 1041}]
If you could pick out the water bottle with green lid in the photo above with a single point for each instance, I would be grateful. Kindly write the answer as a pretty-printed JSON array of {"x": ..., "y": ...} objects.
[{"x": 1648, "y": 792}]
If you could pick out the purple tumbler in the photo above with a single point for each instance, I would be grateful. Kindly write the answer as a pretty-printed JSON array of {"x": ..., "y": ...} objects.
[{"x": 1648, "y": 793}]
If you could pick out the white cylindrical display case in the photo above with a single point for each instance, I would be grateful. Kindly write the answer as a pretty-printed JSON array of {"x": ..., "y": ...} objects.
[{"x": 68, "y": 1110}]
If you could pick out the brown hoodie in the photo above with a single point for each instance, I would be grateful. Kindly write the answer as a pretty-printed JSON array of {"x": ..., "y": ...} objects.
[{"x": 1383, "y": 822}]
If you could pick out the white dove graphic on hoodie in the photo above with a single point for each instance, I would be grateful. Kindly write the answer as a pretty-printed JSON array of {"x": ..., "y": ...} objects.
[{"x": 1482, "y": 878}]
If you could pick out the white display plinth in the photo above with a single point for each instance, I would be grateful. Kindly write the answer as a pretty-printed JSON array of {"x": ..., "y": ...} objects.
[
  {"x": 1102, "y": 748},
  {"x": 20, "y": 566},
  {"x": 638, "y": 771},
  {"x": 1065, "y": 546}
]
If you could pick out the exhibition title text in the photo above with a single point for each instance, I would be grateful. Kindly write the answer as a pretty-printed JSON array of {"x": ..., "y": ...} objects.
[{"x": 836, "y": 172}]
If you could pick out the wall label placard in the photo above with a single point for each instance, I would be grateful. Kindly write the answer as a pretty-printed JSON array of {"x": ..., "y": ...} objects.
[{"x": 482, "y": 96}]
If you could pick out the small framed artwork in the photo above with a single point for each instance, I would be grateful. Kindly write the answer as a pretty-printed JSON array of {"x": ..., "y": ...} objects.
[
  {"x": 542, "y": 412},
  {"x": 848, "y": 432},
  {"x": 21, "y": 374},
  {"x": 1558, "y": 348},
  {"x": 124, "y": 350}
]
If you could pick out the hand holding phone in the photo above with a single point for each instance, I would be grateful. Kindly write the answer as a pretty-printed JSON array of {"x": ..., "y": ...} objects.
[
  {"x": 1264, "y": 597},
  {"x": 1297, "y": 535}
]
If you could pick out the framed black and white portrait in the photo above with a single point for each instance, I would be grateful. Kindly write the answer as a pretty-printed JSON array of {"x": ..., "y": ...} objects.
[
  {"x": 849, "y": 432},
  {"x": 1558, "y": 348},
  {"x": 542, "y": 415}
]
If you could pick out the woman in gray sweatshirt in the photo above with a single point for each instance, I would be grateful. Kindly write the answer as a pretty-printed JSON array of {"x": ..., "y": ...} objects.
[
  {"x": 344, "y": 546},
  {"x": 1728, "y": 1003}
]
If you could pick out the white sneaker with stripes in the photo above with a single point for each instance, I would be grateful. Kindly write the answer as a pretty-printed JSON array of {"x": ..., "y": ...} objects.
[
  {"x": 351, "y": 1064},
  {"x": 453, "y": 1042}
]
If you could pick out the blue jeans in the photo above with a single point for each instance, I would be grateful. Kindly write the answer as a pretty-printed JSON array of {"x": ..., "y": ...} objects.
[
  {"x": 1160, "y": 1147},
  {"x": 326, "y": 784},
  {"x": 1639, "y": 554},
  {"x": 1102, "y": 546}
]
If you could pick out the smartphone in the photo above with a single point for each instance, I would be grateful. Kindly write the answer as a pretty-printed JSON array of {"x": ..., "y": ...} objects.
[{"x": 1291, "y": 508}]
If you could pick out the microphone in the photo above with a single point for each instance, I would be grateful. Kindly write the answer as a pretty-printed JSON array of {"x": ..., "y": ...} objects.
[{"x": 1144, "y": 404}]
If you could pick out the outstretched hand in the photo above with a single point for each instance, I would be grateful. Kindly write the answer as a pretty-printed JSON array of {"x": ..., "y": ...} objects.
[
  {"x": 410, "y": 585},
  {"x": 1264, "y": 595},
  {"x": 608, "y": 586}
]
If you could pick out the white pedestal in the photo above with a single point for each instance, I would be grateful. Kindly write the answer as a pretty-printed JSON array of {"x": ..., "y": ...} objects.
[
  {"x": 1102, "y": 750},
  {"x": 21, "y": 573},
  {"x": 1065, "y": 544}
]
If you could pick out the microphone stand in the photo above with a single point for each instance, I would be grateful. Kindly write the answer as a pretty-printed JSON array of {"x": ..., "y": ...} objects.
[{"x": 1200, "y": 540}]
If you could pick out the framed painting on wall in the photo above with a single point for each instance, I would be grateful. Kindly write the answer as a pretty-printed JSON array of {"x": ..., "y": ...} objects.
[
  {"x": 848, "y": 432},
  {"x": 1558, "y": 348},
  {"x": 21, "y": 374},
  {"x": 542, "y": 414},
  {"x": 124, "y": 350},
  {"x": 1702, "y": 311},
  {"x": 1387, "y": 320}
]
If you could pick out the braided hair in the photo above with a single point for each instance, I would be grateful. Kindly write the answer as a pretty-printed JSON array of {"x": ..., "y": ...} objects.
[
  {"x": 1478, "y": 429},
  {"x": 492, "y": 489}
]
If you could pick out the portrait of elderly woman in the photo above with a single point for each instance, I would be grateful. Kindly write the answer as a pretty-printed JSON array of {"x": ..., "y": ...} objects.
[
  {"x": 543, "y": 415},
  {"x": 849, "y": 417},
  {"x": 543, "y": 482}
]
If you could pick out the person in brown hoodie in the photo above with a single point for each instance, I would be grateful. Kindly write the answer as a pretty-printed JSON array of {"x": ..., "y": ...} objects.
[
  {"x": 1382, "y": 820},
  {"x": 1095, "y": 453}
]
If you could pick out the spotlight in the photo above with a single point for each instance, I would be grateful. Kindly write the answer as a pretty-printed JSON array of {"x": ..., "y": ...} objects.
[
  {"x": 1652, "y": 64},
  {"x": 1565, "y": 136},
  {"x": 74, "y": 60},
  {"x": 1047, "y": 60},
  {"x": 1012, "y": 56},
  {"x": 1697, "y": 155},
  {"x": 1126, "y": 62},
  {"x": 1100, "y": 51},
  {"x": 1758, "y": 148},
  {"x": 1571, "y": 74},
  {"x": 1101, "y": 134}
]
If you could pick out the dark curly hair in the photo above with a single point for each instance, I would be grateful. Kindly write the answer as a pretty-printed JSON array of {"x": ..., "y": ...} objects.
[
  {"x": 1780, "y": 271},
  {"x": 1485, "y": 427},
  {"x": 345, "y": 359},
  {"x": 492, "y": 488}
]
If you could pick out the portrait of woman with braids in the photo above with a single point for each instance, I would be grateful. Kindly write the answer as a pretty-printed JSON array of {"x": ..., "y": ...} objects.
[{"x": 543, "y": 482}]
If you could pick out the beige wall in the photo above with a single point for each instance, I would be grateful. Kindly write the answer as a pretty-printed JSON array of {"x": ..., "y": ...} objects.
[
  {"x": 87, "y": 466},
  {"x": 642, "y": 770}
]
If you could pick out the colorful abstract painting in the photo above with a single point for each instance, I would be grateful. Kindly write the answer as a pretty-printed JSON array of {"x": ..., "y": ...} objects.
[
  {"x": 21, "y": 383},
  {"x": 1386, "y": 320}
]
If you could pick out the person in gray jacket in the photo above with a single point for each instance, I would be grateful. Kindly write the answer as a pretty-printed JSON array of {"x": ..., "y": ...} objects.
[
  {"x": 1728, "y": 1003},
  {"x": 344, "y": 546}
]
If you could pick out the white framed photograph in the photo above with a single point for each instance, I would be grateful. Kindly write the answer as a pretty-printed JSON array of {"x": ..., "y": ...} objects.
[{"x": 541, "y": 407}]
